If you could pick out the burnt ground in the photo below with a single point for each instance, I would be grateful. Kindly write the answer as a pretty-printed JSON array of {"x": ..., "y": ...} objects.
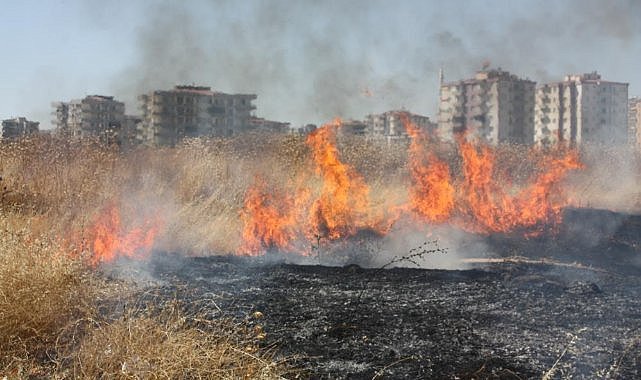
[{"x": 509, "y": 320}]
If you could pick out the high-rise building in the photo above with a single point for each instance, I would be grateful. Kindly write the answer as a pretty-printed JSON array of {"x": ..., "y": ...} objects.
[
  {"x": 582, "y": 109},
  {"x": 634, "y": 122},
  {"x": 18, "y": 127},
  {"x": 92, "y": 116},
  {"x": 494, "y": 106},
  {"x": 191, "y": 111}
]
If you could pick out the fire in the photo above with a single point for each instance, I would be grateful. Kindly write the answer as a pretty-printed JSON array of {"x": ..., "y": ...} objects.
[
  {"x": 343, "y": 206},
  {"x": 494, "y": 209},
  {"x": 544, "y": 198},
  {"x": 339, "y": 208},
  {"x": 431, "y": 194},
  {"x": 335, "y": 203},
  {"x": 110, "y": 239},
  {"x": 269, "y": 221}
]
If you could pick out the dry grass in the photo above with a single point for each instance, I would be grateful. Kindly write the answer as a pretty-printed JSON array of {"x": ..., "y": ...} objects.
[
  {"x": 51, "y": 188},
  {"x": 50, "y": 326},
  {"x": 172, "y": 346},
  {"x": 41, "y": 293},
  {"x": 198, "y": 186}
]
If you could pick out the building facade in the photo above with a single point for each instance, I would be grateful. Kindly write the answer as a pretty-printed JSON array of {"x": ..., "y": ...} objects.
[
  {"x": 191, "y": 111},
  {"x": 127, "y": 135},
  {"x": 18, "y": 127},
  {"x": 270, "y": 126},
  {"x": 390, "y": 125},
  {"x": 582, "y": 109},
  {"x": 93, "y": 116},
  {"x": 352, "y": 127},
  {"x": 634, "y": 122},
  {"x": 495, "y": 106}
]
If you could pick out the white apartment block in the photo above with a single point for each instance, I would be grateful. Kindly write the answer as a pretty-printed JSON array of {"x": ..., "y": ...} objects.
[
  {"x": 582, "y": 109},
  {"x": 495, "y": 106}
]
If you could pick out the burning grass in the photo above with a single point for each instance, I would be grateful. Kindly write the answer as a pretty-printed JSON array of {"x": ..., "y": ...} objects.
[
  {"x": 254, "y": 193},
  {"x": 52, "y": 324},
  {"x": 67, "y": 207},
  {"x": 244, "y": 195}
]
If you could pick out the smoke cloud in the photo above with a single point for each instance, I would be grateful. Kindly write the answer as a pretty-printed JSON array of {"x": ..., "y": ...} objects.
[{"x": 311, "y": 61}]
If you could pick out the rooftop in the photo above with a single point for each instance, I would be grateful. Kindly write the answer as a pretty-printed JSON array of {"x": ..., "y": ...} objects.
[
  {"x": 100, "y": 97},
  {"x": 593, "y": 77},
  {"x": 488, "y": 75},
  {"x": 203, "y": 90}
]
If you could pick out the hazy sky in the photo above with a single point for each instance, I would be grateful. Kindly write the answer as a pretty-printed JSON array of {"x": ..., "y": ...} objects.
[{"x": 307, "y": 60}]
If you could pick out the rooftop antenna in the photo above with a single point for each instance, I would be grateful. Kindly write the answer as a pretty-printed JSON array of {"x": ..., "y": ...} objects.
[{"x": 440, "y": 76}]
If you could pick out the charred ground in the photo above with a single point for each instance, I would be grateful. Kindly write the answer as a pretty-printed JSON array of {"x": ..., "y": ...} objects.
[{"x": 501, "y": 320}]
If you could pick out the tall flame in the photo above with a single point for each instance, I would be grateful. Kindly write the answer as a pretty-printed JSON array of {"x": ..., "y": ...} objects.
[
  {"x": 343, "y": 206},
  {"x": 110, "y": 239},
  {"x": 431, "y": 194},
  {"x": 544, "y": 198},
  {"x": 339, "y": 208}
]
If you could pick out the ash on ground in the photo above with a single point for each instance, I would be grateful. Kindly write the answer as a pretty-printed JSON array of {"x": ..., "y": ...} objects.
[{"x": 513, "y": 319}]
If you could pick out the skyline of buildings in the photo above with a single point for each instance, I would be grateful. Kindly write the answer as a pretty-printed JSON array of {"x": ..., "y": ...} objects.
[{"x": 494, "y": 106}]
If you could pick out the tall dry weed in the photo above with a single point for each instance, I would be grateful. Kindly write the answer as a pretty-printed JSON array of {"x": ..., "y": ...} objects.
[{"x": 42, "y": 292}]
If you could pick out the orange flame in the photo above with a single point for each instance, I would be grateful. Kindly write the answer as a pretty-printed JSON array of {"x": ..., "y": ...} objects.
[
  {"x": 109, "y": 239},
  {"x": 476, "y": 200},
  {"x": 494, "y": 209},
  {"x": 339, "y": 209},
  {"x": 432, "y": 193},
  {"x": 543, "y": 198},
  {"x": 269, "y": 221},
  {"x": 343, "y": 207}
]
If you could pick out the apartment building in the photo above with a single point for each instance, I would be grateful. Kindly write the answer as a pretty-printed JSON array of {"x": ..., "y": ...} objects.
[
  {"x": 389, "y": 125},
  {"x": 18, "y": 127},
  {"x": 353, "y": 127},
  {"x": 93, "y": 116},
  {"x": 634, "y": 122},
  {"x": 261, "y": 124},
  {"x": 582, "y": 109},
  {"x": 494, "y": 106},
  {"x": 191, "y": 111}
]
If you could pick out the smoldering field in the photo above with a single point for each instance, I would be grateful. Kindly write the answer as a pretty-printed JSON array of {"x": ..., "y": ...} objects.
[{"x": 112, "y": 227}]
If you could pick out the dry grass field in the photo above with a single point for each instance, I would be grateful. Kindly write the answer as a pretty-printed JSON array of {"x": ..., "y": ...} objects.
[
  {"x": 53, "y": 322},
  {"x": 54, "y": 200}
]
